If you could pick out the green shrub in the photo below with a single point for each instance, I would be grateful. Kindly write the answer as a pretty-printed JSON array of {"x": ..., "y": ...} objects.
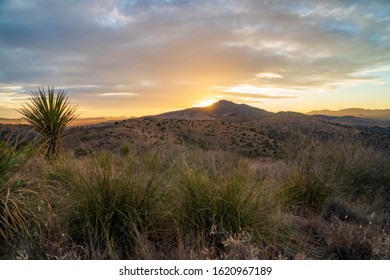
[
  {"x": 124, "y": 149},
  {"x": 81, "y": 152}
]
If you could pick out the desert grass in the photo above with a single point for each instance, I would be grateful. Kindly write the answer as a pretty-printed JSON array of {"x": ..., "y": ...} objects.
[
  {"x": 215, "y": 196},
  {"x": 21, "y": 202},
  {"x": 329, "y": 201},
  {"x": 106, "y": 202}
]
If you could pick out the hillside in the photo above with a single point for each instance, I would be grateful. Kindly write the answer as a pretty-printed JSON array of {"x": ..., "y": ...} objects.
[{"x": 223, "y": 126}]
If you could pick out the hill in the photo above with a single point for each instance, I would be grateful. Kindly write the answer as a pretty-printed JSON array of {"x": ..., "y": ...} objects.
[{"x": 218, "y": 110}]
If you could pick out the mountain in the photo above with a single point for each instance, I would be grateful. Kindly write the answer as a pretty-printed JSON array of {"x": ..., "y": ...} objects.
[
  {"x": 11, "y": 121},
  {"x": 351, "y": 120},
  {"x": 355, "y": 112},
  {"x": 219, "y": 110}
]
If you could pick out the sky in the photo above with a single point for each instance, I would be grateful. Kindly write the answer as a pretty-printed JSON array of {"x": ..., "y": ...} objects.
[{"x": 137, "y": 58}]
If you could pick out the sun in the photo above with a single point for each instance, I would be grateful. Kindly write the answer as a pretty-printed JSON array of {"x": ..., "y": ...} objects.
[{"x": 205, "y": 103}]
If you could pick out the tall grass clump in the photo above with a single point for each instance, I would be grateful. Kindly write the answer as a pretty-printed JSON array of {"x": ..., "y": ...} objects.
[
  {"x": 351, "y": 168},
  {"x": 215, "y": 197},
  {"x": 362, "y": 171},
  {"x": 320, "y": 169},
  {"x": 107, "y": 203},
  {"x": 305, "y": 184},
  {"x": 14, "y": 210},
  {"x": 302, "y": 189},
  {"x": 49, "y": 113}
]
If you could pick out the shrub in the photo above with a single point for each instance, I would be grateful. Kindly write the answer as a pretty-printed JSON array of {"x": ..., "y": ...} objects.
[
  {"x": 124, "y": 149},
  {"x": 80, "y": 152}
]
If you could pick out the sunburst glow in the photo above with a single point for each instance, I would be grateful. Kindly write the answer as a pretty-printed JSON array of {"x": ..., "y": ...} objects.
[{"x": 205, "y": 103}]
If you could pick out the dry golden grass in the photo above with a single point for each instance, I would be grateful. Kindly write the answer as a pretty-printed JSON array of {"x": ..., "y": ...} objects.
[{"x": 164, "y": 200}]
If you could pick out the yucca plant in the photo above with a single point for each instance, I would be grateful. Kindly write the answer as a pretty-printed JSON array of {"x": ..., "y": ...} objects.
[{"x": 49, "y": 113}]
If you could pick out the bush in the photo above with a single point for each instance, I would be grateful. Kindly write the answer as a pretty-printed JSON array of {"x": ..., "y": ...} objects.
[
  {"x": 124, "y": 149},
  {"x": 81, "y": 152}
]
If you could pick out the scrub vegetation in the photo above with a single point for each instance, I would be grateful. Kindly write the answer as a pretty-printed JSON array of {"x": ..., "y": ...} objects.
[
  {"x": 186, "y": 203},
  {"x": 319, "y": 199}
]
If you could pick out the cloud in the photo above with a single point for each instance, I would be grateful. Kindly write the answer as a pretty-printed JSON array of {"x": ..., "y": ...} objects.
[
  {"x": 252, "y": 93},
  {"x": 117, "y": 94},
  {"x": 182, "y": 47},
  {"x": 268, "y": 75}
]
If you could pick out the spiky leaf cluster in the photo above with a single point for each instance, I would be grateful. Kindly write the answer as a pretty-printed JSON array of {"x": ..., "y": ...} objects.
[{"x": 49, "y": 113}]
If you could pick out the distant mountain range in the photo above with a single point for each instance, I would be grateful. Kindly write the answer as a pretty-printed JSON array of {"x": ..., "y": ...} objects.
[
  {"x": 224, "y": 109},
  {"x": 76, "y": 122},
  {"x": 355, "y": 112},
  {"x": 351, "y": 120}
]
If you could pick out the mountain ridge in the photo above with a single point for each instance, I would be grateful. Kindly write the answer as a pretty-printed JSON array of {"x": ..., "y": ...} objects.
[
  {"x": 383, "y": 114},
  {"x": 76, "y": 122}
]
